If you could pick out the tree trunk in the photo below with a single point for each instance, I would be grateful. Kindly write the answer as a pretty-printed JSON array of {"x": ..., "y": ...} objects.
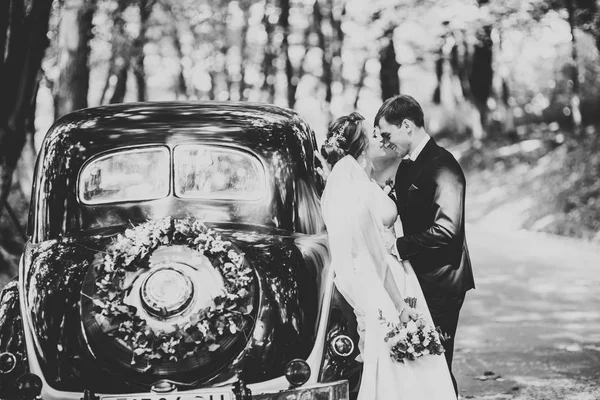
[
  {"x": 361, "y": 83},
  {"x": 121, "y": 46},
  {"x": 293, "y": 85},
  {"x": 213, "y": 82},
  {"x": 75, "y": 33},
  {"x": 245, "y": 6},
  {"x": 459, "y": 62},
  {"x": 26, "y": 163},
  {"x": 109, "y": 74},
  {"x": 181, "y": 87},
  {"x": 139, "y": 71},
  {"x": 226, "y": 73},
  {"x": 327, "y": 76},
  {"x": 587, "y": 17},
  {"x": 597, "y": 24},
  {"x": 122, "y": 73},
  {"x": 4, "y": 13},
  {"x": 390, "y": 82},
  {"x": 284, "y": 22},
  {"x": 502, "y": 89},
  {"x": 482, "y": 73},
  {"x": 574, "y": 95},
  {"x": 268, "y": 66},
  {"x": 337, "y": 45},
  {"x": 19, "y": 74}
]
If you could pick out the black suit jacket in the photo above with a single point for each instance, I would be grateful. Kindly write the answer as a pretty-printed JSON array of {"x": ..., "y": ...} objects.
[{"x": 431, "y": 204}]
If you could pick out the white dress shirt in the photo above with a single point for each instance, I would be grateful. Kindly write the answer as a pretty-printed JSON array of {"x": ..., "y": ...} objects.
[{"x": 415, "y": 153}]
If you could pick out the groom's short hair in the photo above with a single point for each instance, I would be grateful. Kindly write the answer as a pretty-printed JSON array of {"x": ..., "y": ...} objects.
[{"x": 400, "y": 107}]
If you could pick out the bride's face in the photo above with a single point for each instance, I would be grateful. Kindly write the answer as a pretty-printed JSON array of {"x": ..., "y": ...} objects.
[{"x": 375, "y": 150}]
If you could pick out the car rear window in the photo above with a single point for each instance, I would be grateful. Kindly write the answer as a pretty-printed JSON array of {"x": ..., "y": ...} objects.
[
  {"x": 126, "y": 175},
  {"x": 210, "y": 172}
]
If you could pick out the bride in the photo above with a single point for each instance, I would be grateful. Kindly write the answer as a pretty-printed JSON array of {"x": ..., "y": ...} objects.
[{"x": 359, "y": 217}]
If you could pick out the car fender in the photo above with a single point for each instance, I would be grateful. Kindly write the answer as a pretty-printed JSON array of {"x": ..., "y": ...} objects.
[{"x": 12, "y": 339}]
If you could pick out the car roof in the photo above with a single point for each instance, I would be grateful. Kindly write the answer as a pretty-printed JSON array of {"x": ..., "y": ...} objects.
[
  {"x": 186, "y": 109},
  {"x": 263, "y": 128},
  {"x": 177, "y": 113}
]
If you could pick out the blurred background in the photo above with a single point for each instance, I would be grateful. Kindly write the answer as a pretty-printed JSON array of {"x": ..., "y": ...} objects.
[{"x": 511, "y": 87}]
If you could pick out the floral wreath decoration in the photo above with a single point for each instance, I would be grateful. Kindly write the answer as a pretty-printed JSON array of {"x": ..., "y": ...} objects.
[{"x": 130, "y": 253}]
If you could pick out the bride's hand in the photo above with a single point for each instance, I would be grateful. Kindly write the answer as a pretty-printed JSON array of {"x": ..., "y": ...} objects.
[
  {"x": 408, "y": 314},
  {"x": 324, "y": 169}
]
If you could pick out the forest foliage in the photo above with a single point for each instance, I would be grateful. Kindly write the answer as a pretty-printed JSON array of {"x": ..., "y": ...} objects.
[{"x": 486, "y": 72}]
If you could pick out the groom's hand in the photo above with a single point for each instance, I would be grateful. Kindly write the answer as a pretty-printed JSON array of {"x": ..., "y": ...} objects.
[{"x": 394, "y": 251}]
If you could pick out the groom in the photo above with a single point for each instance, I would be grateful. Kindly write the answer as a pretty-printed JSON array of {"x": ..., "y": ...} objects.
[{"x": 430, "y": 196}]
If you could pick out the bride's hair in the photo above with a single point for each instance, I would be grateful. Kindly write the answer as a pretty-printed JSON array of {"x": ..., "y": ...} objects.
[{"x": 344, "y": 137}]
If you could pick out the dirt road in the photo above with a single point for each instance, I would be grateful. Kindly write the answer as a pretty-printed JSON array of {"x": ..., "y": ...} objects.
[{"x": 531, "y": 329}]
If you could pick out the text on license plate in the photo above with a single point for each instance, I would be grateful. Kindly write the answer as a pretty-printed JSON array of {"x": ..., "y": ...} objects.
[{"x": 175, "y": 396}]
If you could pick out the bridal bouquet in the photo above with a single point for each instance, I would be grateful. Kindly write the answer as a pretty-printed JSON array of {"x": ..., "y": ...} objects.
[{"x": 413, "y": 336}]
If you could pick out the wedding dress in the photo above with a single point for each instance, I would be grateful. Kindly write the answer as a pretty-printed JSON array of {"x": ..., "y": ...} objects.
[{"x": 357, "y": 214}]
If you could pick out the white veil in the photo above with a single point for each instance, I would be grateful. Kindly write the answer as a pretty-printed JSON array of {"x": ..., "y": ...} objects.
[
  {"x": 358, "y": 255},
  {"x": 354, "y": 228}
]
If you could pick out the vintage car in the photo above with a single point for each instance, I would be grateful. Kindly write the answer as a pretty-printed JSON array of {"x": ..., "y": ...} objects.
[{"x": 176, "y": 251}]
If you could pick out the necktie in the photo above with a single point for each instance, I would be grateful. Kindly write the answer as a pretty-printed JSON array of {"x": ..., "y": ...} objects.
[
  {"x": 406, "y": 163},
  {"x": 401, "y": 175},
  {"x": 403, "y": 170}
]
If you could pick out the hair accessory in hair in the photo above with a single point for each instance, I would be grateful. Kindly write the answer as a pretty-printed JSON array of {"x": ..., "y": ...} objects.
[{"x": 338, "y": 135}]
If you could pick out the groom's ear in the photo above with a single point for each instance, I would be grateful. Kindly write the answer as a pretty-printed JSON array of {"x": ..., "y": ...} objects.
[{"x": 408, "y": 125}]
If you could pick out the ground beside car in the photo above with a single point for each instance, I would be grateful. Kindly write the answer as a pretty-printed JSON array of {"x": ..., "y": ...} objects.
[{"x": 531, "y": 329}]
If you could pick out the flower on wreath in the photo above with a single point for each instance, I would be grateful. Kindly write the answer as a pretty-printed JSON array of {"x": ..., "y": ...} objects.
[{"x": 129, "y": 254}]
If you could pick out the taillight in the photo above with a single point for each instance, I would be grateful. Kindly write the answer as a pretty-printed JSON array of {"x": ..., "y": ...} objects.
[
  {"x": 29, "y": 386},
  {"x": 8, "y": 362},
  {"x": 341, "y": 346}
]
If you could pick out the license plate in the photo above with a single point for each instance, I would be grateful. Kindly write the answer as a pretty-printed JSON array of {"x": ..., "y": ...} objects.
[{"x": 209, "y": 395}]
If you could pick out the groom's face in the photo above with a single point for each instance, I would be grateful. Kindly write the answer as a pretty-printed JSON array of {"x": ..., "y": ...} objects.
[{"x": 398, "y": 136}]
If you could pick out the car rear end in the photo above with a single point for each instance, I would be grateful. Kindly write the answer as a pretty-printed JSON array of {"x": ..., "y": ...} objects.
[{"x": 235, "y": 168}]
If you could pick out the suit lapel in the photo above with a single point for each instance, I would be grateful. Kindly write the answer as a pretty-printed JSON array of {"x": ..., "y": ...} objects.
[
  {"x": 403, "y": 183},
  {"x": 419, "y": 164}
]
